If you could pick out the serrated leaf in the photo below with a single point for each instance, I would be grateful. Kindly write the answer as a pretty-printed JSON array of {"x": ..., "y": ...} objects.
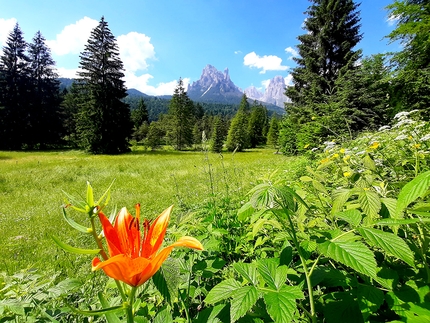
[
  {"x": 164, "y": 316},
  {"x": 319, "y": 187},
  {"x": 341, "y": 307},
  {"x": 281, "y": 305},
  {"x": 390, "y": 204},
  {"x": 390, "y": 243},
  {"x": 306, "y": 179},
  {"x": 73, "y": 224},
  {"x": 352, "y": 216},
  {"x": 369, "y": 163},
  {"x": 307, "y": 247},
  {"x": 243, "y": 300},
  {"x": 274, "y": 275},
  {"x": 222, "y": 291},
  {"x": 370, "y": 203},
  {"x": 339, "y": 198},
  {"x": 64, "y": 287},
  {"x": 411, "y": 191},
  {"x": 247, "y": 271},
  {"x": 353, "y": 254},
  {"x": 392, "y": 222},
  {"x": 71, "y": 249},
  {"x": 370, "y": 299}
]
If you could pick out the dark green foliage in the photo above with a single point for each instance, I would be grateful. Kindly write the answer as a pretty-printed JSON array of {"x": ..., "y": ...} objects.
[
  {"x": 14, "y": 91},
  {"x": 273, "y": 132},
  {"x": 140, "y": 115},
  {"x": 411, "y": 85},
  {"x": 258, "y": 125},
  {"x": 238, "y": 135},
  {"x": 181, "y": 118},
  {"x": 326, "y": 52},
  {"x": 44, "y": 118},
  {"x": 155, "y": 136},
  {"x": 218, "y": 136},
  {"x": 103, "y": 124}
]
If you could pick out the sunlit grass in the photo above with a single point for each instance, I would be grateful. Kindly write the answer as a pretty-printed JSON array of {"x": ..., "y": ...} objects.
[{"x": 32, "y": 185}]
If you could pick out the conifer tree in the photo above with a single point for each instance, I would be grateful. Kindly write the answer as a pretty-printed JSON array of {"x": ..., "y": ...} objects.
[
  {"x": 238, "y": 134},
  {"x": 180, "y": 118},
  {"x": 104, "y": 123},
  {"x": 257, "y": 126},
  {"x": 14, "y": 91},
  {"x": 273, "y": 133},
  {"x": 45, "y": 125},
  {"x": 217, "y": 138}
]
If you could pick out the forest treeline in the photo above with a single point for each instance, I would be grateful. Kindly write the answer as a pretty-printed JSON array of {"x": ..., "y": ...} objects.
[{"x": 336, "y": 92}]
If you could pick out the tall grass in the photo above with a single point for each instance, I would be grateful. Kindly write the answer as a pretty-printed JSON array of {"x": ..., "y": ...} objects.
[{"x": 32, "y": 185}]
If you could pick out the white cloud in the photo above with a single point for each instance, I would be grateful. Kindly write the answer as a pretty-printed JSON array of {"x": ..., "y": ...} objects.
[
  {"x": 292, "y": 51},
  {"x": 265, "y": 83},
  {"x": 67, "y": 73},
  {"x": 265, "y": 63},
  {"x": 141, "y": 83},
  {"x": 6, "y": 26},
  {"x": 135, "y": 49},
  {"x": 289, "y": 80},
  {"x": 73, "y": 38},
  {"x": 237, "y": 52}
]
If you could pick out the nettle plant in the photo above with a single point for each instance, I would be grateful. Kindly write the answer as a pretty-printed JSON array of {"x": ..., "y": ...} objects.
[{"x": 355, "y": 234}]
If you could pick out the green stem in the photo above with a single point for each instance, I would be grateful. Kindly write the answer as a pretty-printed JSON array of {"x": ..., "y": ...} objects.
[
  {"x": 304, "y": 265},
  {"x": 130, "y": 302}
]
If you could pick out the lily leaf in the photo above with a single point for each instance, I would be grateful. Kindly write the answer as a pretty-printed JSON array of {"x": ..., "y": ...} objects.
[
  {"x": 71, "y": 249},
  {"x": 73, "y": 224},
  {"x": 110, "y": 317}
]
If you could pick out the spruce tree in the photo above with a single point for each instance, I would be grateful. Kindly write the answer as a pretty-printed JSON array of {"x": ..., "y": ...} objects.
[
  {"x": 180, "y": 118},
  {"x": 104, "y": 124},
  {"x": 326, "y": 52},
  {"x": 238, "y": 133},
  {"x": 14, "y": 91},
  {"x": 273, "y": 133},
  {"x": 44, "y": 118},
  {"x": 217, "y": 137},
  {"x": 257, "y": 126}
]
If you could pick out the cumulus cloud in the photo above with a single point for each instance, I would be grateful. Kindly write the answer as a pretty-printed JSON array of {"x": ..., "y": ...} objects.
[
  {"x": 292, "y": 52},
  {"x": 141, "y": 83},
  {"x": 265, "y": 63},
  {"x": 67, "y": 73},
  {"x": 289, "y": 80},
  {"x": 135, "y": 49},
  {"x": 73, "y": 38},
  {"x": 265, "y": 83},
  {"x": 6, "y": 26}
]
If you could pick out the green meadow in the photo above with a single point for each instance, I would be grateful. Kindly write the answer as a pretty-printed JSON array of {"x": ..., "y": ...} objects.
[{"x": 32, "y": 186}]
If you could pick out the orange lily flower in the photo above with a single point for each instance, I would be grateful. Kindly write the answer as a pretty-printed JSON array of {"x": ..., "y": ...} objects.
[{"x": 133, "y": 260}]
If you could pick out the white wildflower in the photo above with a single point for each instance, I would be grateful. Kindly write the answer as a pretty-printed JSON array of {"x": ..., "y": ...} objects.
[
  {"x": 401, "y": 137},
  {"x": 401, "y": 115},
  {"x": 383, "y": 128},
  {"x": 425, "y": 138}
]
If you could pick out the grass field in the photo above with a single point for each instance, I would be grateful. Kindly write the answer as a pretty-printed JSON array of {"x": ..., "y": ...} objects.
[{"x": 32, "y": 185}]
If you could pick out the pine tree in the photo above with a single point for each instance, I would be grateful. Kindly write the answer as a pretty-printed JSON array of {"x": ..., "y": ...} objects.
[
  {"x": 326, "y": 52},
  {"x": 273, "y": 133},
  {"x": 14, "y": 91},
  {"x": 217, "y": 137},
  {"x": 238, "y": 135},
  {"x": 104, "y": 124},
  {"x": 181, "y": 118},
  {"x": 44, "y": 118},
  {"x": 140, "y": 115},
  {"x": 257, "y": 126}
]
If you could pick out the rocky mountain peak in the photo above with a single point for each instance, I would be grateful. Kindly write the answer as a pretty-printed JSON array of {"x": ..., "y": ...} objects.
[{"x": 275, "y": 91}]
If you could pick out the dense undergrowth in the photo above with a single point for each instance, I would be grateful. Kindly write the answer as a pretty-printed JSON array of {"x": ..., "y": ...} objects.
[{"x": 343, "y": 238}]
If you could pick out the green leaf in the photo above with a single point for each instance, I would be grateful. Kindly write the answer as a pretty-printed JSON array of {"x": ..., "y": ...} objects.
[
  {"x": 73, "y": 224},
  {"x": 281, "y": 305},
  {"x": 341, "y": 307},
  {"x": 390, "y": 243},
  {"x": 273, "y": 275},
  {"x": 64, "y": 287},
  {"x": 245, "y": 211},
  {"x": 369, "y": 163},
  {"x": 247, "y": 271},
  {"x": 353, "y": 254},
  {"x": 110, "y": 317},
  {"x": 90, "y": 195},
  {"x": 222, "y": 291},
  {"x": 370, "y": 203},
  {"x": 71, "y": 249},
  {"x": 352, "y": 216},
  {"x": 370, "y": 299},
  {"x": 392, "y": 222},
  {"x": 104, "y": 311},
  {"x": 319, "y": 187},
  {"x": 340, "y": 197},
  {"x": 164, "y": 316},
  {"x": 390, "y": 204},
  {"x": 411, "y": 191},
  {"x": 243, "y": 300}
]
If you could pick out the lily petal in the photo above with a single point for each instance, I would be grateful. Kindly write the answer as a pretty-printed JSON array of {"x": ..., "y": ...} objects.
[{"x": 154, "y": 237}]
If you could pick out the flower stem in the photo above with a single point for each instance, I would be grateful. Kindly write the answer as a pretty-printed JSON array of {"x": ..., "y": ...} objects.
[{"x": 130, "y": 302}]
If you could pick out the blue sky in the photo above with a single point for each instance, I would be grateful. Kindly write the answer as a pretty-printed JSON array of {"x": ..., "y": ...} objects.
[{"x": 162, "y": 40}]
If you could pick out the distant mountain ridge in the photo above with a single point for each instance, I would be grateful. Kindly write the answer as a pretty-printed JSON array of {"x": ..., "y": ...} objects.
[{"x": 274, "y": 93}]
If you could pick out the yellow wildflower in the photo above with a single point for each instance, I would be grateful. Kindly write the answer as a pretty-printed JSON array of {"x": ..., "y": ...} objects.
[
  {"x": 342, "y": 150},
  {"x": 325, "y": 160},
  {"x": 346, "y": 158},
  {"x": 313, "y": 118},
  {"x": 347, "y": 174},
  {"x": 335, "y": 156},
  {"x": 374, "y": 145},
  {"x": 306, "y": 146},
  {"x": 416, "y": 146}
]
